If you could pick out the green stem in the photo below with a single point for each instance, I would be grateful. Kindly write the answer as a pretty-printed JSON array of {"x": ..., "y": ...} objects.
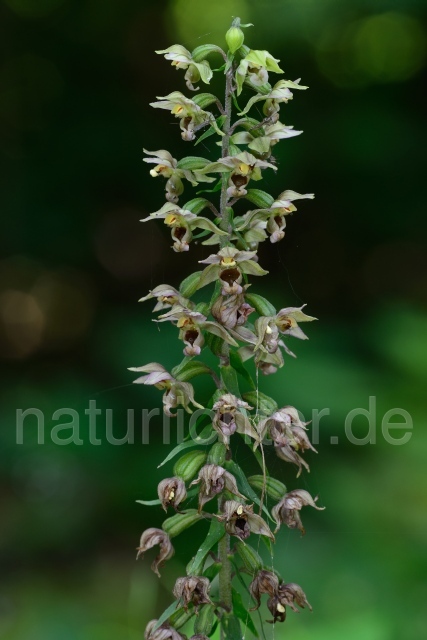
[
  {"x": 225, "y": 217},
  {"x": 225, "y": 573}
]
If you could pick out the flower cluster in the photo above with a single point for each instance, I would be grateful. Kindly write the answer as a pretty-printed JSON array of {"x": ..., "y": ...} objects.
[{"x": 236, "y": 325}]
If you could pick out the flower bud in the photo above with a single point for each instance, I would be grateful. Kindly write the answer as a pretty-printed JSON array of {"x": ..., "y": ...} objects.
[
  {"x": 234, "y": 38},
  {"x": 171, "y": 492}
]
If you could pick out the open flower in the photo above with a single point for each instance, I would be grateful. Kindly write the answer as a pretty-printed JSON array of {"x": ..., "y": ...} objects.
[
  {"x": 281, "y": 92},
  {"x": 287, "y": 510},
  {"x": 289, "y": 436},
  {"x": 261, "y": 145},
  {"x": 171, "y": 492},
  {"x": 152, "y": 537},
  {"x": 243, "y": 167},
  {"x": 182, "y": 59},
  {"x": 181, "y": 223},
  {"x": 166, "y": 296},
  {"x": 167, "y": 167},
  {"x": 263, "y": 582},
  {"x": 189, "y": 113},
  {"x": 213, "y": 479},
  {"x": 194, "y": 589},
  {"x": 231, "y": 311},
  {"x": 163, "y": 632},
  {"x": 231, "y": 416},
  {"x": 175, "y": 392},
  {"x": 241, "y": 521},
  {"x": 280, "y": 595},
  {"x": 191, "y": 325},
  {"x": 272, "y": 219},
  {"x": 254, "y": 68},
  {"x": 228, "y": 265},
  {"x": 263, "y": 346},
  {"x": 292, "y": 593}
]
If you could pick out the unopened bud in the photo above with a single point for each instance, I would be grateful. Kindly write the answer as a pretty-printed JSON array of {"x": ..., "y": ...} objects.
[{"x": 234, "y": 38}]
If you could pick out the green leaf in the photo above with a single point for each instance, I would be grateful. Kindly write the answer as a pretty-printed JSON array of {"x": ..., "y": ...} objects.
[
  {"x": 191, "y": 163},
  {"x": 264, "y": 403},
  {"x": 209, "y": 132},
  {"x": 261, "y": 199},
  {"x": 178, "y": 523},
  {"x": 215, "y": 533},
  {"x": 244, "y": 486},
  {"x": 190, "y": 370},
  {"x": 229, "y": 378},
  {"x": 242, "y": 612},
  {"x": 212, "y": 571},
  {"x": 231, "y": 626},
  {"x": 237, "y": 363},
  {"x": 166, "y": 614},
  {"x": 181, "y": 447},
  {"x": 149, "y": 503},
  {"x": 216, "y": 188},
  {"x": 274, "y": 488},
  {"x": 261, "y": 304},
  {"x": 190, "y": 284}
]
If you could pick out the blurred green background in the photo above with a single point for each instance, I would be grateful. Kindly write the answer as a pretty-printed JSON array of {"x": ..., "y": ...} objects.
[{"x": 75, "y": 81}]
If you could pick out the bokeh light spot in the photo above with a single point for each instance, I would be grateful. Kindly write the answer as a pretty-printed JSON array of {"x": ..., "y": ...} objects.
[
  {"x": 192, "y": 20},
  {"x": 390, "y": 47}
]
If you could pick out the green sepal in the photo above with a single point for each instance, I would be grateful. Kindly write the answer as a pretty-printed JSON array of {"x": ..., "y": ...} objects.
[
  {"x": 205, "y": 620},
  {"x": 274, "y": 488},
  {"x": 202, "y": 51},
  {"x": 189, "y": 464},
  {"x": 178, "y": 523},
  {"x": 259, "y": 198},
  {"x": 192, "y": 163},
  {"x": 242, "y": 613},
  {"x": 261, "y": 401},
  {"x": 215, "y": 533},
  {"x": 261, "y": 304},
  {"x": 251, "y": 559},
  {"x": 217, "y": 454},
  {"x": 190, "y": 284}
]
